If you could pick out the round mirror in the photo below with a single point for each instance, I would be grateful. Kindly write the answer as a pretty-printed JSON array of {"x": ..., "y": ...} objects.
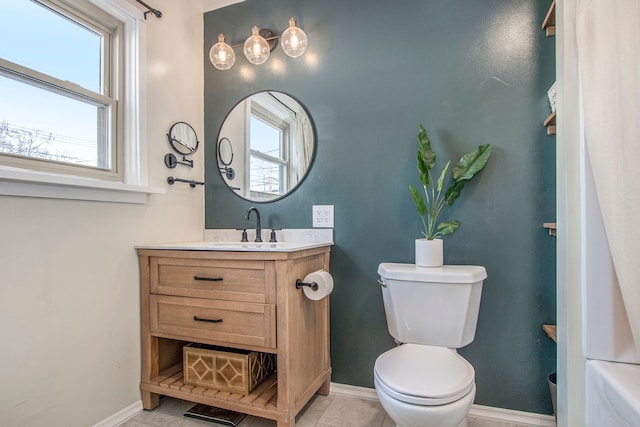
[
  {"x": 225, "y": 152},
  {"x": 183, "y": 138},
  {"x": 268, "y": 142}
]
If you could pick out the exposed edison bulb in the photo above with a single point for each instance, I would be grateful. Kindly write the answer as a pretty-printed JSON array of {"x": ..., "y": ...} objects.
[
  {"x": 294, "y": 40},
  {"x": 222, "y": 55},
  {"x": 256, "y": 48}
]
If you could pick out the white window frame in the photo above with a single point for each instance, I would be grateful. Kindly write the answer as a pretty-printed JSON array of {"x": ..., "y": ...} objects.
[
  {"x": 132, "y": 188},
  {"x": 274, "y": 113}
]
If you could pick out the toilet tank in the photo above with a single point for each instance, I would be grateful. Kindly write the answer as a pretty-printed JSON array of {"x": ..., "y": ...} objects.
[{"x": 432, "y": 306}]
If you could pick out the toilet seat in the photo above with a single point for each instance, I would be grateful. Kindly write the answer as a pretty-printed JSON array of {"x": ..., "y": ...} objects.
[{"x": 424, "y": 375}]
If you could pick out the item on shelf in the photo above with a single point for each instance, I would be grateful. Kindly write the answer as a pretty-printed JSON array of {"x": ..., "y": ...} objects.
[
  {"x": 552, "y": 226},
  {"x": 551, "y": 93},
  {"x": 226, "y": 369},
  {"x": 217, "y": 415}
]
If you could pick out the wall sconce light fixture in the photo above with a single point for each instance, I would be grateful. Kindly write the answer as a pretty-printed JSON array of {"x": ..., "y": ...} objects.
[{"x": 259, "y": 45}]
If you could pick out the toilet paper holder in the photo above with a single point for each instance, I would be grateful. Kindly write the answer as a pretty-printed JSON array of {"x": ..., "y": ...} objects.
[{"x": 312, "y": 285}]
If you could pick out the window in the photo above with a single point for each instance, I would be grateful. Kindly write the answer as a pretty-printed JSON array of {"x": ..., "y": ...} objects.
[
  {"x": 270, "y": 130},
  {"x": 59, "y": 110},
  {"x": 71, "y": 74},
  {"x": 267, "y": 168}
]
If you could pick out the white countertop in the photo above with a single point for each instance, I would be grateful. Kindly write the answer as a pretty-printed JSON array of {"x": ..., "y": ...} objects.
[
  {"x": 289, "y": 240},
  {"x": 237, "y": 246}
]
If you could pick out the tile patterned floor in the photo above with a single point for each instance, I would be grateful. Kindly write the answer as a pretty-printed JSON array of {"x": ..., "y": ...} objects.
[{"x": 335, "y": 410}]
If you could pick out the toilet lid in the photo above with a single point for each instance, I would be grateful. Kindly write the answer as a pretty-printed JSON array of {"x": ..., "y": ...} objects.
[{"x": 423, "y": 374}]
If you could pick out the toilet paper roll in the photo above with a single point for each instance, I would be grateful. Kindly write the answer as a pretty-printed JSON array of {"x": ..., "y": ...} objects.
[{"x": 324, "y": 282}]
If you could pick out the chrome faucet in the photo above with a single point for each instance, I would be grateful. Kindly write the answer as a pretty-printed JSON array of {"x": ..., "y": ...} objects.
[{"x": 258, "y": 228}]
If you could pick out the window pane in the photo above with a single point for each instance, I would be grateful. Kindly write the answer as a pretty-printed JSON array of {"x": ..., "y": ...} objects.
[
  {"x": 266, "y": 176},
  {"x": 35, "y": 37},
  {"x": 265, "y": 138},
  {"x": 37, "y": 123}
]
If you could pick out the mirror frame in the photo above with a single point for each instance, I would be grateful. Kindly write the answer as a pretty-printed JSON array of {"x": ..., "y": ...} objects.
[
  {"x": 220, "y": 141},
  {"x": 184, "y": 147},
  {"x": 222, "y": 168}
]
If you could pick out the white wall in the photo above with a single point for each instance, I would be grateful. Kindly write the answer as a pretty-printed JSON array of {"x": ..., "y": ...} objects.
[{"x": 69, "y": 291}]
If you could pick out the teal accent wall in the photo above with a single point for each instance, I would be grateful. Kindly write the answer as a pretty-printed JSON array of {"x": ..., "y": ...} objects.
[{"x": 473, "y": 73}]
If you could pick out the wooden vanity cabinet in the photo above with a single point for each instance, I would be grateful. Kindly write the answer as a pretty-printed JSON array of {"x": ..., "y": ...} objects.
[{"x": 184, "y": 294}]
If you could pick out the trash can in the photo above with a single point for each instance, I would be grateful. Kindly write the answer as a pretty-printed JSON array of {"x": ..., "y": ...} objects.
[{"x": 554, "y": 393}]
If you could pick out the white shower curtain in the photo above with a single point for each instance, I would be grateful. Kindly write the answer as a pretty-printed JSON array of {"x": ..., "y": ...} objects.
[
  {"x": 608, "y": 41},
  {"x": 303, "y": 145}
]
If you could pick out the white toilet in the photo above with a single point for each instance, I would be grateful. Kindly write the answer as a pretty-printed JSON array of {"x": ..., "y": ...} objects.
[{"x": 431, "y": 311}]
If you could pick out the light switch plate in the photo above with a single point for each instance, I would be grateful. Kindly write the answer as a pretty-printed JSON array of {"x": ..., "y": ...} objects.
[{"x": 322, "y": 216}]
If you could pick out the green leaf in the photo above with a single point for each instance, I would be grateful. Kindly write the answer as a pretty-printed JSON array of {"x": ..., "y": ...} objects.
[
  {"x": 448, "y": 227},
  {"x": 423, "y": 171},
  {"x": 426, "y": 154},
  {"x": 471, "y": 163},
  {"x": 442, "y": 175},
  {"x": 418, "y": 200},
  {"x": 453, "y": 192}
]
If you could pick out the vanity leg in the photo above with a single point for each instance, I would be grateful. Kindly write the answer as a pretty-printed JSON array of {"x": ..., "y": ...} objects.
[
  {"x": 325, "y": 387},
  {"x": 290, "y": 422},
  {"x": 150, "y": 400}
]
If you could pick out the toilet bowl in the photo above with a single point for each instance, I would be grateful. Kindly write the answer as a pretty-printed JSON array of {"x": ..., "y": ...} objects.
[
  {"x": 425, "y": 386},
  {"x": 424, "y": 382}
]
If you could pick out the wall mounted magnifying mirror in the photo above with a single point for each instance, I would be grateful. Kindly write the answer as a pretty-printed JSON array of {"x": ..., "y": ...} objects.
[
  {"x": 268, "y": 142},
  {"x": 184, "y": 141}
]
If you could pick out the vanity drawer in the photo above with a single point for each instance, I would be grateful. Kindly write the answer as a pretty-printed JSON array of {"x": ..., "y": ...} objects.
[
  {"x": 250, "y": 281},
  {"x": 226, "y": 322}
]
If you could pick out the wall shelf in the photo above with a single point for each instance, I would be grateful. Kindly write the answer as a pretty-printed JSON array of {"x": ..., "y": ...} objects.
[
  {"x": 550, "y": 124},
  {"x": 552, "y": 331},
  {"x": 549, "y": 23},
  {"x": 263, "y": 400},
  {"x": 552, "y": 228}
]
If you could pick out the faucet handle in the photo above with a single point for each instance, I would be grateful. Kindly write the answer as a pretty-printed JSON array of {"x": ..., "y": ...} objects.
[
  {"x": 272, "y": 236},
  {"x": 244, "y": 238}
]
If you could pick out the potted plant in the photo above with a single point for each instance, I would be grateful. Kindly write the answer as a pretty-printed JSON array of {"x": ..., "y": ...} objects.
[{"x": 429, "y": 248}]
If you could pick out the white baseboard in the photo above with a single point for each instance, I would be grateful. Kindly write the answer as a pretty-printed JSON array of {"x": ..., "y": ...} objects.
[
  {"x": 121, "y": 416},
  {"x": 354, "y": 391},
  {"x": 511, "y": 416},
  {"x": 477, "y": 411}
]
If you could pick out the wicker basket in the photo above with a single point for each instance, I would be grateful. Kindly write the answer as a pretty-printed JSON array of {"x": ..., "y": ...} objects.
[{"x": 226, "y": 369}]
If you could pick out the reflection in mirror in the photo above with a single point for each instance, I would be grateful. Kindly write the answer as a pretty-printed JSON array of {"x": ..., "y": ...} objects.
[
  {"x": 225, "y": 157},
  {"x": 225, "y": 151},
  {"x": 270, "y": 146},
  {"x": 183, "y": 138}
]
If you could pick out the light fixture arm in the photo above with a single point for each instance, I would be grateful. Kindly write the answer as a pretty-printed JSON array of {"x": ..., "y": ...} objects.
[
  {"x": 266, "y": 34},
  {"x": 268, "y": 39}
]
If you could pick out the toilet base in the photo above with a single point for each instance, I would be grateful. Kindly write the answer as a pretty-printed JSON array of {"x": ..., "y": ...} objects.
[{"x": 404, "y": 414}]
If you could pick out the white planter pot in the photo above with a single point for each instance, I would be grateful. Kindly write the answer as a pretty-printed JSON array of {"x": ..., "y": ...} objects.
[{"x": 429, "y": 253}]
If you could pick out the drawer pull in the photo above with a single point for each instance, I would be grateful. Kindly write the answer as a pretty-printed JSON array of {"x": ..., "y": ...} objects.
[
  {"x": 209, "y": 279},
  {"x": 202, "y": 319}
]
